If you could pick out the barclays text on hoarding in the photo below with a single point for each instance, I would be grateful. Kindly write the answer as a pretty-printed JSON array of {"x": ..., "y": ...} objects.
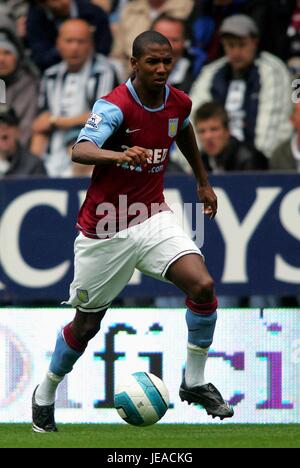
[{"x": 252, "y": 246}]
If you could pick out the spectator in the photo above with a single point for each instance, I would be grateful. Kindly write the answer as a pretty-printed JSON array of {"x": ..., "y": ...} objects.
[
  {"x": 220, "y": 151},
  {"x": 14, "y": 11},
  {"x": 206, "y": 18},
  {"x": 137, "y": 16},
  {"x": 254, "y": 88},
  {"x": 174, "y": 29},
  {"x": 21, "y": 82},
  {"x": 68, "y": 91},
  {"x": 15, "y": 160},
  {"x": 286, "y": 156},
  {"x": 46, "y": 16},
  {"x": 277, "y": 22}
]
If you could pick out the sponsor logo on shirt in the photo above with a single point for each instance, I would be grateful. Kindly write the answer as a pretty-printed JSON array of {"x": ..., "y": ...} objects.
[
  {"x": 128, "y": 130},
  {"x": 157, "y": 156}
]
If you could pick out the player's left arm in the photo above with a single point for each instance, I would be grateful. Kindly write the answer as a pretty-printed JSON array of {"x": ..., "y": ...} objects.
[{"x": 186, "y": 142}]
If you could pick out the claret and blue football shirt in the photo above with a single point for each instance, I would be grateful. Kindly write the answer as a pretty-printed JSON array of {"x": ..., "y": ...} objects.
[{"x": 118, "y": 121}]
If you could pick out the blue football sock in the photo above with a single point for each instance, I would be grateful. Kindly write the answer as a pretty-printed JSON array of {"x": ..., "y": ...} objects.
[
  {"x": 201, "y": 328},
  {"x": 63, "y": 357}
]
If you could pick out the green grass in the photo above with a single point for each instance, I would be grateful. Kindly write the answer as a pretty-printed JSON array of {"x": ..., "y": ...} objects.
[{"x": 158, "y": 436}]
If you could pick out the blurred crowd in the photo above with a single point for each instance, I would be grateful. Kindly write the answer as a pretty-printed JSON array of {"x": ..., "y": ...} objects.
[{"x": 237, "y": 59}]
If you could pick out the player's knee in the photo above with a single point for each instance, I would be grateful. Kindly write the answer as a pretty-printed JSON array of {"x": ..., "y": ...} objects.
[{"x": 202, "y": 291}]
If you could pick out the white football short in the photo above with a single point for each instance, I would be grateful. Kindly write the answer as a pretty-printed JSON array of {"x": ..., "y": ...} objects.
[{"x": 102, "y": 268}]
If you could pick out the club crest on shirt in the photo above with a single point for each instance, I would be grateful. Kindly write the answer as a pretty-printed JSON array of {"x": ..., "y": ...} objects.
[
  {"x": 82, "y": 295},
  {"x": 93, "y": 121},
  {"x": 173, "y": 127}
]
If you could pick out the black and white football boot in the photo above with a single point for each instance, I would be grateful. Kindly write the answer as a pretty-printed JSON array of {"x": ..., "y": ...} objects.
[
  {"x": 42, "y": 417},
  {"x": 207, "y": 396}
]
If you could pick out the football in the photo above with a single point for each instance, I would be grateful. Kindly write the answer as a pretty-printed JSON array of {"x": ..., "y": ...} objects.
[{"x": 141, "y": 399}]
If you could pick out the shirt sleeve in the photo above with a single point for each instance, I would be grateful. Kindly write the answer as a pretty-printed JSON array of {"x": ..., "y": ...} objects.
[
  {"x": 104, "y": 120},
  {"x": 185, "y": 123}
]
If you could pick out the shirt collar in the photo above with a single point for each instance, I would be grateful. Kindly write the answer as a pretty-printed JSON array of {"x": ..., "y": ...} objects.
[{"x": 137, "y": 99}]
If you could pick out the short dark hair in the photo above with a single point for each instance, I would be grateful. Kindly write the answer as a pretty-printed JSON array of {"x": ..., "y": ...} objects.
[
  {"x": 171, "y": 19},
  {"x": 210, "y": 110},
  {"x": 8, "y": 116},
  {"x": 146, "y": 38}
]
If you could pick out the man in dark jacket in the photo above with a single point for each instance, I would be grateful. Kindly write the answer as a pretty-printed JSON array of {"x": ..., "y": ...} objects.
[
  {"x": 254, "y": 88},
  {"x": 46, "y": 16},
  {"x": 206, "y": 18},
  {"x": 15, "y": 161},
  {"x": 222, "y": 152}
]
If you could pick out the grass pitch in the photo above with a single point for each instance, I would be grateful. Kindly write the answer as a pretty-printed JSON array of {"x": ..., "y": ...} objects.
[{"x": 157, "y": 436}]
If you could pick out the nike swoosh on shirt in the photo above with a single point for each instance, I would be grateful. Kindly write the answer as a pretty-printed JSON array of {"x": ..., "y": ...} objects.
[{"x": 132, "y": 131}]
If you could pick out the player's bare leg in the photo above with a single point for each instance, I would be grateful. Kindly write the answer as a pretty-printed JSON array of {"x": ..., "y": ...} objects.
[
  {"x": 70, "y": 345},
  {"x": 190, "y": 274}
]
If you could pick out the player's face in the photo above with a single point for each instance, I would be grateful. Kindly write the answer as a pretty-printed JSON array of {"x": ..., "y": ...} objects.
[
  {"x": 8, "y": 62},
  {"x": 240, "y": 51},
  {"x": 154, "y": 67},
  {"x": 75, "y": 45},
  {"x": 8, "y": 138},
  {"x": 213, "y": 136},
  {"x": 173, "y": 31}
]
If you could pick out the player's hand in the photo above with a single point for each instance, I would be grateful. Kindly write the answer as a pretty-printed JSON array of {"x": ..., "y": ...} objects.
[
  {"x": 135, "y": 156},
  {"x": 209, "y": 199}
]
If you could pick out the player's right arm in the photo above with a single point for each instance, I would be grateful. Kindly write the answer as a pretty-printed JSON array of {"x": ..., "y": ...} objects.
[
  {"x": 86, "y": 152},
  {"x": 104, "y": 120}
]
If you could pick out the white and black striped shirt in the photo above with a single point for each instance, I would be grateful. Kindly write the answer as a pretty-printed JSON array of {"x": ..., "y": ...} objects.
[{"x": 68, "y": 94}]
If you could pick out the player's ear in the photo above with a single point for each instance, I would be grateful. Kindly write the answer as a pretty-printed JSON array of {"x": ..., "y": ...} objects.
[{"x": 133, "y": 62}]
